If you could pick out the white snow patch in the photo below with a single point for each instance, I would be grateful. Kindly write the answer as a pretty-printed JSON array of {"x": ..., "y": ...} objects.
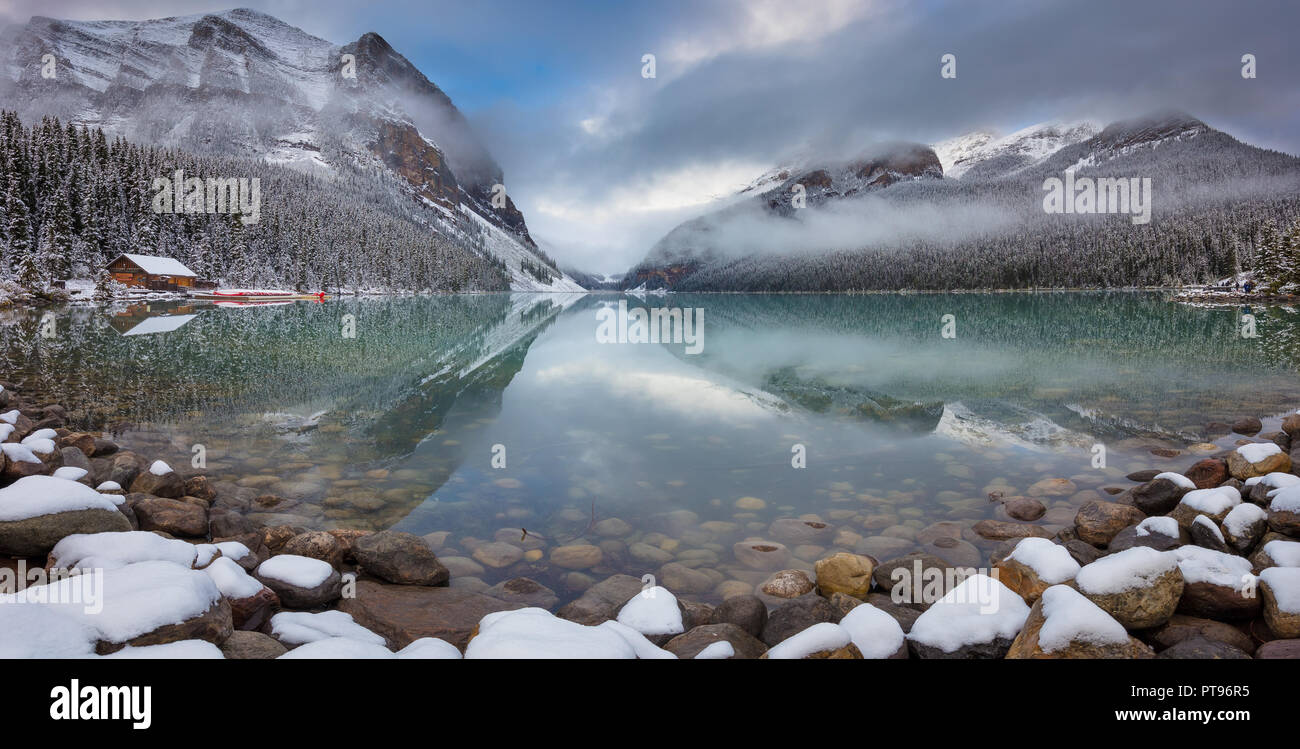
[
  {"x": 876, "y": 633},
  {"x": 160, "y": 468},
  {"x": 1284, "y": 500},
  {"x": 537, "y": 633},
  {"x": 1162, "y": 524},
  {"x": 232, "y": 580},
  {"x": 33, "y": 496},
  {"x": 1283, "y": 553},
  {"x": 340, "y": 648},
  {"x": 717, "y": 651},
  {"x": 1212, "y": 501},
  {"x": 299, "y": 571},
  {"x": 1178, "y": 478},
  {"x": 118, "y": 549},
  {"x": 188, "y": 650},
  {"x": 1070, "y": 617},
  {"x": 1241, "y": 517},
  {"x": 818, "y": 637},
  {"x": 300, "y": 627},
  {"x": 1257, "y": 451},
  {"x": 1051, "y": 562},
  {"x": 1284, "y": 582},
  {"x": 17, "y": 453},
  {"x": 36, "y": 631},
  {"x": 1201, "y": 565},
  {"x": 70, "y": 473},
  {"x": 1137, "y": 567},
  {"x": 979, "y": 610},
  {"x": 430, "y": 649},
  {"x": 653, "y": 611}
]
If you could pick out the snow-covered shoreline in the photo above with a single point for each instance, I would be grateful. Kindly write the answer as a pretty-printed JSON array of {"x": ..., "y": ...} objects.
[{"x": 1201, "y": 563}]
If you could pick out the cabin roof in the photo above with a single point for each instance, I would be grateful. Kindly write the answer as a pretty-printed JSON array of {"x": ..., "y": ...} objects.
[{"x": 158, "y": 266}]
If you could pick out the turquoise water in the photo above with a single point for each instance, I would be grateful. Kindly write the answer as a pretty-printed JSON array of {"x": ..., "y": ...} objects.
[{"x": 472, "y": 417}]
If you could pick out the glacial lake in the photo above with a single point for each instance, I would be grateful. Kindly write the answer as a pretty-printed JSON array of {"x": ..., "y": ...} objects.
[{"x": 473, "y": 417}]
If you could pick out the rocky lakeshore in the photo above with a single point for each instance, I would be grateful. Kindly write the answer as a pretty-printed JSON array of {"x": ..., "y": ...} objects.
[{"x": 1198, "y": 563}]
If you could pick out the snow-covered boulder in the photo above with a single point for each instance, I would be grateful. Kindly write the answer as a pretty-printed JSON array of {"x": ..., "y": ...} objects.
[
  {"x": 1212, "y": 503},
  {"x": 654, "y": 612},
  {"x": 1035, "y": 565},
  {"x": 118, "y": 549},
  {"x": 1140, "y": 587},
  {"x": 1244, "y": 526},
  {"x": 145, "y": 603},
  {"x": 1206, "y": 533},
  {"x": 876, "y": 634},
  {"x": 300, "y": 582},
  {"x": 1258, "y": 459},
  {"x": 1284, "y": 511},
  {"x": 979, "y": 618},
  {"x": 824, "y": 640},
  {"x": 250, "y": 601},
  {"x": 1280, "y": 587},
  {"x": 36, "y": 512},
  {"x": 1279, "y": 553},
  {"x": 340, "y": 648},
  {"x": 1217, "y": 585},
  {"x": 1065, "y": 624},
  {"x": 294, "y": 628},
  {"x": 537, "y": 633}
]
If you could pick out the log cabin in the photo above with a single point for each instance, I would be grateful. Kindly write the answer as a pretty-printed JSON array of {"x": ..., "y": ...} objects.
[{"x": 151, "y": 272}]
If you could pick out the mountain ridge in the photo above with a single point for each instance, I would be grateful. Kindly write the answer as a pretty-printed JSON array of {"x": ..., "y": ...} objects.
[{"x": 244, "y": 83}]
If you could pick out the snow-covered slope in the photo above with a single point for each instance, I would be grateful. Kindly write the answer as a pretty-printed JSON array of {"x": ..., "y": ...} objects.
[
  {"x": 243, "y": 83},
  {"x": 1004, "y": 155}
]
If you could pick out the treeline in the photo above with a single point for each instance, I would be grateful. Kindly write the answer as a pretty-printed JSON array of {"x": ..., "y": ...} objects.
[
  {"x": 1219, "y": 207},
  {"x": 70, "y": 202}
]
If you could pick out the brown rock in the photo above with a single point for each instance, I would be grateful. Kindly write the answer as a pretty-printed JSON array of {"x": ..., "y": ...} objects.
[
  {"x": 1181, "y": 627},
  {"x": 1097, "y": 522},
  {"x": 1279, "y": 650},
  {"x": 845, "y": 573},
  {"x": 255, "y": 610},
  {"x": 402, "y": 614},
  {"x": 401, "y": 558},
  {"x": 1208, "y": 473},
  {"x": 689, "y": 644},
  {"x": 169, "y": 485},
  {"x": 251, "y": 646},
  {"x": 320, "y": 545},
  {"x": 172, "y": 516},
  {"x": 996, "y": 530},
  {"x": 602, "y": 601},
  {"x": 1024, "y": 508}
]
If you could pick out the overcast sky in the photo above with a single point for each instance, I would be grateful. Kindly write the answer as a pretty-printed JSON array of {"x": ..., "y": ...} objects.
[{"x": 603, "y": 161}]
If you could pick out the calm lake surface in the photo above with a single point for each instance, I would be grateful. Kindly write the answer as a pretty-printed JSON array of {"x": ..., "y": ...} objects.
[{"x": 646, "y": 450}]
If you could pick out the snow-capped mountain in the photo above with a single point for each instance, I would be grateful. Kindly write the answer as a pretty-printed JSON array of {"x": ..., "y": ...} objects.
[
  {"x": 992, "y": 155},
  {"x": 905, "y": 222},
  {"x": 243, "y": 83},
  {"x": 783, "y": 192}
]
